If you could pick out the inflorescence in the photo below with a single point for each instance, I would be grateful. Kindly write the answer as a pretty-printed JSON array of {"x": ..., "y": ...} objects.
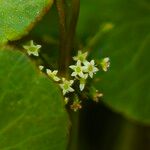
[{"x": 81, "y": 71}]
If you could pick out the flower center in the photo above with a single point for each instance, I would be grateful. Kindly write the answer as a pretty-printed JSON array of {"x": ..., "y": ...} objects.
[
  {"x": 81, "y": 58},
  {"x": 78, "y": 69},
  {"x": 32, "y": 49},
  {"x": 66, "y": 86},
  {"x": 90, "y": 68}
]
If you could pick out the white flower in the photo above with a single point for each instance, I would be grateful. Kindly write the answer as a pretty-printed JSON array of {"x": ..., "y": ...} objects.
[
  {"x": 83, "y": 82},
  {"x": 78, "y": 69},
  {"x": 41, "y": 67},
  {"x": 105, "y": 63},
  {"x": 32, "y": 49},
  {"x": 81, "y": 56},
  {"x": 66, "y": 100},
  {"x": 90, "y": 68},
  {"x": 66, "y": 86},
  {"x": 53, "y": 74}
]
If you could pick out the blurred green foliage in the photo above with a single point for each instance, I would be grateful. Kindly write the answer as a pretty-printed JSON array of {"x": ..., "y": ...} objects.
[
  {"x": 31, "y": 109},
  {"x": 18, "y": 17},
  {"x": 121, "y": 121}
]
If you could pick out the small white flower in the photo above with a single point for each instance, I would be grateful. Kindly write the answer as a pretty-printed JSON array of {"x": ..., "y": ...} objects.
[
  {"x": 66, "y": 86},
  {"x": 78, "y": 69},
  {"x": 32, "y": 49},
  {"x": 66, "y": 100},
  {"x": 41, "y": 67},
  {"x": 105, "y": 63},
  {"x": 53, "y": 74},
  {"x": 90, "y": 68},
  {"x": 83, "y": 82},
  {"x": 81, "y": 56}
]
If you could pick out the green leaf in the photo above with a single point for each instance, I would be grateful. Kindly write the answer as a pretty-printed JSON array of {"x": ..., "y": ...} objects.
[
  {"x": 31, "y": 107},
  {"x": 126, "y": 85},
  {"x": 19, "y": 16}
]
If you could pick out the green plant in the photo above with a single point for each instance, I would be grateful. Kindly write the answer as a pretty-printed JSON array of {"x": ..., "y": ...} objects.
[{"x": 35, "y": 113}]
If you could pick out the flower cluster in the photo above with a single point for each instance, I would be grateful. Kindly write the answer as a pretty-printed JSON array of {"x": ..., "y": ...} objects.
[{"x": 81, "y": 71}]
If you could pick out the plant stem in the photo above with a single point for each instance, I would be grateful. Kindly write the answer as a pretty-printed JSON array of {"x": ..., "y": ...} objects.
[
  {"x": 62, "y": 24},
  {"x": 75, "y": 8},
  {"x": 67, "y": 35},
  {"x": 73, "y": 141}
]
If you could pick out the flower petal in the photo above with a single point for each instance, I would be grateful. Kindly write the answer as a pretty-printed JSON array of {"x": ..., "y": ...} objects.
[
  {"x": 71, "y": 89},
  {"x": 91, "y": 74},
  {"x": 82, "y": 87},
  {"x": 74, "y": 74},
  {"x": 72, "y": 67},
  {"x": 56, "y": 79},
  {"x": 55, "y": 72}
]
